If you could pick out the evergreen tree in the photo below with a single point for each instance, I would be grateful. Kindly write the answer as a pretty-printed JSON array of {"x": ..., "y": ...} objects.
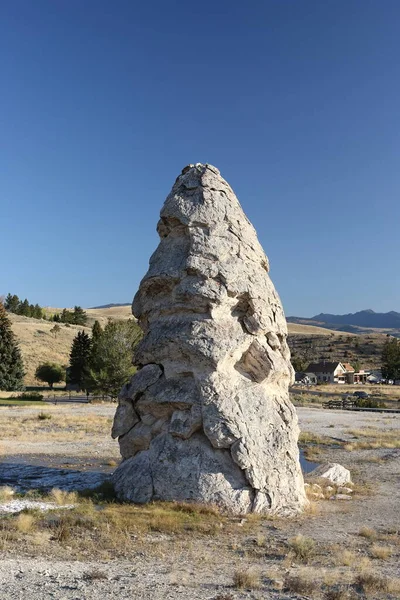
[
  {"x": 65, "y": 316},
  {"x": 79, "y": 316},
  {"x": 37, "y": 312},
  {"x": 79, "y": 360},
  {"x": 391, "y": 359},
  {"x": 11, "y": 303},
  {"x": 11, "y": 365},
  {"x": 97, "y": 330},
  {"x": 111, "y": 362},
  {"x": 23, "y": 308}
]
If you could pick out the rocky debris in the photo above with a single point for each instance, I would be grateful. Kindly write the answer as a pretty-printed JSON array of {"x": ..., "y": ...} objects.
[
  {"x": 334, "y": 472},
  {"x": 16, "y": 506},
  {"x": 207, "y": 417},
  {"x": 344, "y": 490},
  {"x": 340, "y": 497}
]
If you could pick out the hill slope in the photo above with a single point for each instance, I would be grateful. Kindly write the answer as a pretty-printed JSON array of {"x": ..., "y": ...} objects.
[
  {"x": 38, "y": 345},
  {"x": 315, "y": 343}
]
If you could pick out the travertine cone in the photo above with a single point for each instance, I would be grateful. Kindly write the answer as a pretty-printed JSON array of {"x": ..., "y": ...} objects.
[{"x": 207, "y": 417}]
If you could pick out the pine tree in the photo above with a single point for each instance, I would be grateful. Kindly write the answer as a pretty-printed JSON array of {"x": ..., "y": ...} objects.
[
  {"x": 97, "y": 330},
  {"x": 11, "y": 365},
  {"x": 37, "y": 312},
  {"x": 12, "y": 303},
  {"x": 66, "y": 316},
  {"x": 79, "y": 359},
  {"x": 23, "y": 308},
  {"x": 79, "y": 316}
]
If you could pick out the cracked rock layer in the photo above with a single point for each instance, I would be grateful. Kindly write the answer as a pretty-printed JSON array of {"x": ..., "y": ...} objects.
[{"x": 207, "y": 416}]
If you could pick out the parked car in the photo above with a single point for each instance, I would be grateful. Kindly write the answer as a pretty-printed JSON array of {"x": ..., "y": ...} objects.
[{"x": 361, "y": 394}]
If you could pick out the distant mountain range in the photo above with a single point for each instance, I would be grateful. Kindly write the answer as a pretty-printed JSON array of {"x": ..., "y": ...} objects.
[{"x": 364, "y": 319}]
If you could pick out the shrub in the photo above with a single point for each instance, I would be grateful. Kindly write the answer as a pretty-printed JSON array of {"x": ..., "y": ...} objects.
[
  {"x": 248, "y": 579},
  {"x": 35, "y": 396},
  {"x": 43, "y": 416},
  {"x": 369, "y": 403},
  {"x": 51, "y": 373},
  {"x": 303, "y": 547},
  {"x": 370, "y": 582},
  {"x": 381, "y": 552},
  {"x": 301, "y": 583}
]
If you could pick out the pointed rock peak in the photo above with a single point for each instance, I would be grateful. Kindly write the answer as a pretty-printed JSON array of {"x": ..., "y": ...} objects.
[{"x": 212, "y": 420}]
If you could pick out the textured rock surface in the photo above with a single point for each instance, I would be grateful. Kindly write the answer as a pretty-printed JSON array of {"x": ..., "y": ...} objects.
[
  {"x": 334, "y": 472},
  {"x": 207, "y": 417}
]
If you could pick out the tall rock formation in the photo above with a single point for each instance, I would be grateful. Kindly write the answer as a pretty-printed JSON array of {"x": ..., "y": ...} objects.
[{"x": 207, "y": 417}]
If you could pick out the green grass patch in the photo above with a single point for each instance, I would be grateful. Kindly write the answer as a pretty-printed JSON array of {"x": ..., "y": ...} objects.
[{"x": 16, "y": 402}]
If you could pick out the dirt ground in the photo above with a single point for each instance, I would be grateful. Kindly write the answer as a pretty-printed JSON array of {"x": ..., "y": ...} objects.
[{"x": 346, "y": 534}]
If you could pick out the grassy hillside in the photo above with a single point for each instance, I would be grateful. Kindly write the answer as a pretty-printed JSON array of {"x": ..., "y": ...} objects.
[
  {"x": 39, "y": 345},
  {"x": 366, "y": 349}
]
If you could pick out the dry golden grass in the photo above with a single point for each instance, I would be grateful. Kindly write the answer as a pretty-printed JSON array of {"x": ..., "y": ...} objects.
[
  {"x": 298, "y": 329},
  {"x": 62, "y": 497},
  {"x": 302, "y": 547},
  {"x": 247, "y": 579},
  {"x": 302, "y": 582},
  {"x": 381, "y": 552},
  {"x": 368, "y": 533},
  {"x": 25, "y": 522},
  {"x": 39, "y": 345},
  {"x": 6, "y": 493},
  {"x": 372, "y": 583},
  {"x": 371, "y": 438},
  {"x": 107, "y": 530},
  {"x": 346, "y": 558},
  {"x": 60, "y": 427},
  {"x": 389, "y": 391},
  {"x": 104, "y": 314},
  {"x": 307, "y": 437}
]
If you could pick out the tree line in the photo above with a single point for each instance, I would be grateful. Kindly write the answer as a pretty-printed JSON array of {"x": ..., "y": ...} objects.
[
  {"x": 73, "y": 317},
  {"x": 22, "y": 307}
]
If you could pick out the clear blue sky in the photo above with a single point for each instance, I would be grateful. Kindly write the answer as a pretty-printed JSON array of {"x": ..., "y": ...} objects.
[{"x": 296, "y": 102}]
